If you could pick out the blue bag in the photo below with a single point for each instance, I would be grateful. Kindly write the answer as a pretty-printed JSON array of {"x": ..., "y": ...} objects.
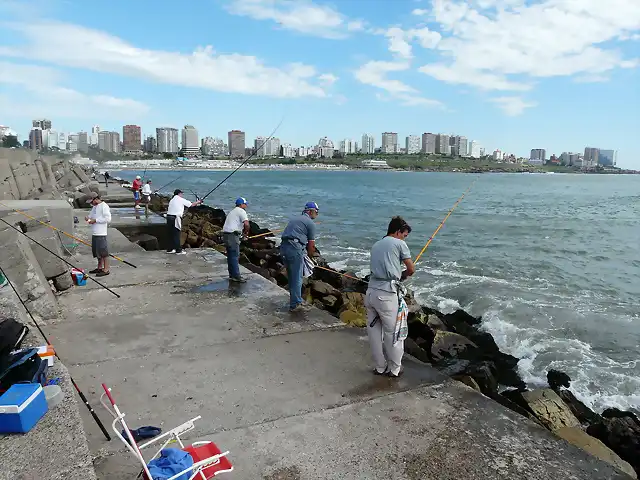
[{"x": 170, "y": 462}]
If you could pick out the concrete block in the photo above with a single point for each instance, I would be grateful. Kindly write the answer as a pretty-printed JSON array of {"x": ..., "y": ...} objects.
[
  {"x": 63, "y": 282},
  {"x": 10, "y": 306},
  {"x": 20, "y": 265},
  {"x": 58, "y": 213},
  {"x": 50, "y": 265},
  {"x": 80, "y": 175}
]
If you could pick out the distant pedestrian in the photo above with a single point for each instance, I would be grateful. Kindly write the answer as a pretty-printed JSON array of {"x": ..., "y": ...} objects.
[
  {"x": 99, "y": 218},
  {"x": 385, "y": 298},
  {"x": 106, "y": 179},
  {"x": 175, "y": 211},
  {"x": 146, "y": 196},
  {"x": 300, "y": 234},
  {"x": 235, "y": 227},
  {"x": 135, "y": 188}
]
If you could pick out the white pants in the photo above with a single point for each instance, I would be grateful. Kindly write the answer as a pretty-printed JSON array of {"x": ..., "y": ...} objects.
[{"x": 383, "y": 306}]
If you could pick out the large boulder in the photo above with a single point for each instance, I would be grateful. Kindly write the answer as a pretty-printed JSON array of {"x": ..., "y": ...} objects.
[
  {"x": 580, "y": 439},
  {"x": 620, "y": 431},
  {"x": 353, "y": 311},
  {"x": 549, "y": 408},
  {"x": 557, "y": 379},
  {"x": 322, "y": 289},
  {"x": 579, "y": 409},
  {"x": 450, "y": 345},
  {"x": 209, "y": 230}
]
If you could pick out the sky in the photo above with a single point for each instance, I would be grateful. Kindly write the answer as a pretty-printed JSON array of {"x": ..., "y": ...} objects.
[{"x": 510, "y": 74}]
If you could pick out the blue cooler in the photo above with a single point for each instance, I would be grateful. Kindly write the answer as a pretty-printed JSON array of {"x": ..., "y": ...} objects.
[{"x": 21, "y": 407}]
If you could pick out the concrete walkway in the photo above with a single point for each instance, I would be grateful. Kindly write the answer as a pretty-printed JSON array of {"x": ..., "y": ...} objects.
[{"x": 291, "y": 396}]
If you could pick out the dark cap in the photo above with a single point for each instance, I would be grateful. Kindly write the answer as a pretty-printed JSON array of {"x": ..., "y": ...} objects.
[
  {"x": 92, "y": 197},
  {"x": 177, "y": 191}
]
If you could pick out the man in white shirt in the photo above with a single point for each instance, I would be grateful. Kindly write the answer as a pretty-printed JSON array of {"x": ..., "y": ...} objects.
[
  {"x": 146, "y": 196},
  {"x": 235, "y": 226},
  {"x": 174, "y": 220},
  {"x": 99, "y": 218}
]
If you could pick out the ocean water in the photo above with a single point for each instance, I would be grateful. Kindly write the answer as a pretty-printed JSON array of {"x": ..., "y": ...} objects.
[{"x": 551, "y": 262}]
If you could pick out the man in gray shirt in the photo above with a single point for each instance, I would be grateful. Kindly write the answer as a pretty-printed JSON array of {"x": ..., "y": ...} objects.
[
  {"x": 298, "y": 236},
  {"x": 387, "y": 258}
]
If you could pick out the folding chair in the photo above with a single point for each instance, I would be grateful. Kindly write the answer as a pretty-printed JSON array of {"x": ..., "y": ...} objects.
[{"x": 208, "y": 460}]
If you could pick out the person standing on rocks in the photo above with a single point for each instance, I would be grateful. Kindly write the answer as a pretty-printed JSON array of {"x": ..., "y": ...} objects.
[
  {"x": 385, "y": 295},
  {"x": 300, "y": 234},
  {"x": 236, "y": 225},
  {"x": 135, "y": 188},
  {"x": 175, "y": 211},
  {"x": 146, "y": 196},
  {"x": 106, "y": 179},
  {"x": 99, "y": 218}
]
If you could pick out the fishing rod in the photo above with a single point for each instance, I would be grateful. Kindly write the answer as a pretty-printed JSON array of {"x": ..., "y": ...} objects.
[
  {"x": 46, "y": 339},
  {"x": 248, "y": 158},
  {"x": 64, "y": 233},
  {"x": 271, "y": 231},
  {"x": 58, "y": 256},
  {"x": 167, "y": 184}
]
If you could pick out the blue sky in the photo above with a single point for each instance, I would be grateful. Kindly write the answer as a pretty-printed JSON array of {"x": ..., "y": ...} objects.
[{"x": 511, "y": 74}]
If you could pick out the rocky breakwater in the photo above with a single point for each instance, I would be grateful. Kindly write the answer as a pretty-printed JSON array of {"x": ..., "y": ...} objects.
[{"x": 455, "y": 343}]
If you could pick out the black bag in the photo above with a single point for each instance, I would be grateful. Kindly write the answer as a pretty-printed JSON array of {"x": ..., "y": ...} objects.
[
  {"x": 25, "y": 366},
  {"x": 12, "y": 333}
]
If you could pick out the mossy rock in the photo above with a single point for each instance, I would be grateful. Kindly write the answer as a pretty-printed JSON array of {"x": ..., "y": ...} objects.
[{"x": 354, "y": 316}]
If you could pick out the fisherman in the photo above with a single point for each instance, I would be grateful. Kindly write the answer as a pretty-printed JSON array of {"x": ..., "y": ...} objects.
[
  {"x": 174, "y": 220},
  {"x": 235, "y": 227},
  {"x": 146, "y": 196},
  {"x": 385, "y": 298},
  {"x": 99, "y": 218},
  {"x": 106, "y": 179},
  {"x": 299, "y": 234},
  {"x": 135, "y": 188}
]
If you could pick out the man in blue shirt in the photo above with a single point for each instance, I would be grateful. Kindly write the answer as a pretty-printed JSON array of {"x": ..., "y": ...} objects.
[{"x": 298, "y": 236}]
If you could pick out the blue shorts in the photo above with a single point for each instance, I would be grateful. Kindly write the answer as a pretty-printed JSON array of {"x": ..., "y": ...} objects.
[{"x": 136, "y": 195}]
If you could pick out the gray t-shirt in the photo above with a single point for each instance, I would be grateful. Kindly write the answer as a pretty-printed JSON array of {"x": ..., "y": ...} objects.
[
  {"x": 387, "y": 257},
  {"x": 299, "y": 231}
]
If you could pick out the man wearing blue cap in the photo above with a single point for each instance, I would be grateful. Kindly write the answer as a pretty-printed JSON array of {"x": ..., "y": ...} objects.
[
  {"x": 299, "y": 235},
  {"x": 235, "y": 226}
]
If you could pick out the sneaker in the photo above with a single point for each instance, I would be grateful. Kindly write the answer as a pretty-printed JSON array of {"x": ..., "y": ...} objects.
[
  {"x": 181, "y": 252},
  {"x": 392, "y": 375},
  {"x": 171, "y": 251},
  {"x": 301, "y": 307},
  {"x": 376, "y": 372},
  {"x": 238, "y": 279},
  {"x": 95, "y": 270},
  {"x": 102, "y": 273}
]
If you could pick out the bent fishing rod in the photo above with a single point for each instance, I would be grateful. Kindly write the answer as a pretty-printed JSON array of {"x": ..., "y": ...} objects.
[
  {"x": 46, "y": 339},
  {"x": 58, "y": 256},
  {"x": 248, "y": 158},
  {"x": 62, "y": 232}
]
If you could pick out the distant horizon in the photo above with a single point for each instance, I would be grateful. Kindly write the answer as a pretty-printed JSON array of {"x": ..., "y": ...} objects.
[{"x": 332, "y": 69}]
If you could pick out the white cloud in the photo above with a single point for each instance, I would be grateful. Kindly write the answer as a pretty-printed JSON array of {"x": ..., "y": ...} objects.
[
  {"x": 37, "y": 92},
  {"x": 328, "y": 78},
  {"x": 302, "y": 16},
  {"x": 398, "y": 44},
  {"x": 374, "y": 73},
  {"x": 512, "y": 106},
  {"x": 204, "y": 68},
  {"x": 488, "y": 41},
  {"x": 420, "y": 12},
  {"x": 399, "y": 40}
]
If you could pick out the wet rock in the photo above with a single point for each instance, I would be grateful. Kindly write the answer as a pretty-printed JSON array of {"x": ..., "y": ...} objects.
[
  {"x": 580, "y": 439},
  {"x": 259, "y": 270},
  {"x": 209, "y": 230},
  {"x": 579, "y": 409},
  {"x": 332, "y": 303},
  {"x": 460, "y": 316},
  {"x": 413, "y": 349},
  {"x": 506, "y": 399},
  {"x": 321, "y": 289},
  {"x": 557, "y": 379},
  {"x": 468, "y": 381},
  {"x": 484, "y": 374},
  {"x": 207, "y": 243},
  {"x": 620, "y": 431},
  {"x": 549, "y": 408},
  {"x": 434, "y": 323},
  {"x": 450, "y": 345},
  {"x": 353, "y": 311}
]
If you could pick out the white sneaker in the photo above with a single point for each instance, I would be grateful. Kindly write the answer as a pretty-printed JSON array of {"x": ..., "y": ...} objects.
[
  {"x": 172, "y": 251},
  {"x": 181, "y": 253}
]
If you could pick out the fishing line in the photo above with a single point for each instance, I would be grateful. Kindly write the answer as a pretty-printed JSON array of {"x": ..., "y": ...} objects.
[
  {"x": 63, "y": 232},
  {"x": 46, "y": 339},
  {"x": 58, "y": 256},
  {"x": 248, "y": 158}
]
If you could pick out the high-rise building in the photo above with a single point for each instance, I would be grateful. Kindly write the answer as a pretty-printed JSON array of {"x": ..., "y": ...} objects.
[
  {"x": 498, "y": 155},
  {"x": 538, "y": 156},
  {"x": 429, "y": 143},
  {"x": 475, "y": 150},
  {"x": 389, "y": 142},
  {"x": 167, "y": 140},
  {"x": 368, "y": 144},
  {"x": 288, "y": 151},
  {"x": 213, "y": 146},
  {"x": 348, "y": 147},
  {"x": 462, "y": 146},
  {"x": 413, "y": 144},
  {"x": 325, "y": 148},
  {"x": 108, "y": 141},
  {"x": 236, "y": 144},
  {"x": 273, "y": 147},
  {"x": 42, "y": 124},
  {"x": 83, "y": 142},
  {"x": 150, "y": 145},
  {"x": 591, "y": 156},
  {"x": 260, "y": 146},
  {"x": 35, "y": 138},
  {"x": 190, "y": 143},
  {"x": 607, "y": 158},
  {"x": 93, "y": 140},
  {"x": 304, "y": 151},
  {"x": 442, "y": 144},
  {"x": 131, "y": 139}
]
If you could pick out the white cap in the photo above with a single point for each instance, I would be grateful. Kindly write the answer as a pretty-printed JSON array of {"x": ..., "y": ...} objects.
[{"x": 137, "y": 177}]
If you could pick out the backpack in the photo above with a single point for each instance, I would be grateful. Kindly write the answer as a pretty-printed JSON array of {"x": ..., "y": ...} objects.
[
  {"x": 24, "y": 366},
  {"x": 12, "y": 334}
]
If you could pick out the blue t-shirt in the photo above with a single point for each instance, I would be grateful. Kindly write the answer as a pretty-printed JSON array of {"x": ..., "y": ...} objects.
[{"x": 299, "y": 231}]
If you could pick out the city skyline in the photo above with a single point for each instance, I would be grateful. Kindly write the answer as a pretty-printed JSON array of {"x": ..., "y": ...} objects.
[{"x": 402, "y": 68}]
